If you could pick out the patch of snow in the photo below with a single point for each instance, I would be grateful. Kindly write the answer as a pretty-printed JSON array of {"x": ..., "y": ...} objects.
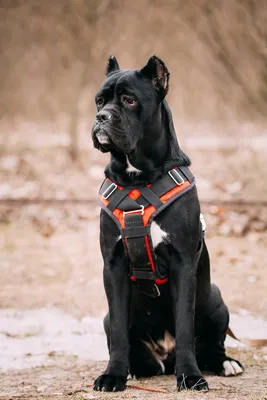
[{"x": 29, "y": 337}]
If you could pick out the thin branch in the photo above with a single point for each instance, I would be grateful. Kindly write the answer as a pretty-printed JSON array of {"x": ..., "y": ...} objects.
[{"x": 140, "y": 387}]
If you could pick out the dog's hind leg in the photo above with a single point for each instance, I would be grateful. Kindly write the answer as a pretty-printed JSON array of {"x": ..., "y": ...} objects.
[{"x": 211, "y": 326}]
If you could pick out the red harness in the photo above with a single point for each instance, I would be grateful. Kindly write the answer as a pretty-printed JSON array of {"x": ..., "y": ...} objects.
[{"x": 133, "y": 210}]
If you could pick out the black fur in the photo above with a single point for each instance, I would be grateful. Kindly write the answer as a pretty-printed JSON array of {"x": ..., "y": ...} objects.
[{"x": 135, "y": 125}]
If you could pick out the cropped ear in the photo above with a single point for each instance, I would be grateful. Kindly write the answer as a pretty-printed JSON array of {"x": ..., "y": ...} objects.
[
  {"x": 156, "y": 70},
  {"x": 112, "y": 65}
]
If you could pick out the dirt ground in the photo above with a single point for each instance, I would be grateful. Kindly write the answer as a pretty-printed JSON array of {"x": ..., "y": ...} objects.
[
  {"x": 71, "y": 379},
  {"x": 50, "y": 257}
]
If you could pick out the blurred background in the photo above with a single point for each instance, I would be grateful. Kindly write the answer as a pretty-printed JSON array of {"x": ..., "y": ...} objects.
[{"x": 53, "y": 58}]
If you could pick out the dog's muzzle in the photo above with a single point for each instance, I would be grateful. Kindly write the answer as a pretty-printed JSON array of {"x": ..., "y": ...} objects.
[{"x": 101, "y": 118}]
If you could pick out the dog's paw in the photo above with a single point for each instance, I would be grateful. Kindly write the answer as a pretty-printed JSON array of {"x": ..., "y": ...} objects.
[
  {"x": 232, "y": 368},
  {"x": 110, "y": 383},
  {"x": 191, "y": 383}
]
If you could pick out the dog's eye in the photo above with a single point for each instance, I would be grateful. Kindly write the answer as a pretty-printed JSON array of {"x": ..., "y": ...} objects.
[
  {"x": 99, "y": 101},
  {"x": 128, "y": 100}
]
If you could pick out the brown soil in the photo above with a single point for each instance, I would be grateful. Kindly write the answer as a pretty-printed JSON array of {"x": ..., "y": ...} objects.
[{"x": 70, "y": 379}]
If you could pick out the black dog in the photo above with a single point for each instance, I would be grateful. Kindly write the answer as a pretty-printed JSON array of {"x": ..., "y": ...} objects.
[{"x": 180, "y": 327}]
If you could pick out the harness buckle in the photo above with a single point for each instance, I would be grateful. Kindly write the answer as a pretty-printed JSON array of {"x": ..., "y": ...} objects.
[
  {"x": 108, "y": 192},
  {"x": 139, "y": 210},
  {"x": 176, "y": 175}
]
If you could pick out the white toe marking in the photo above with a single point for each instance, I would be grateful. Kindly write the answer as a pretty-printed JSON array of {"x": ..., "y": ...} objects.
[
  {"x": 231, "y": 368},
  {"x": 130, "y": 167},
  {"x": 237, "y": 368},
  {"x": 157, "y": 234},
  {"x": 228, "y": 369}
]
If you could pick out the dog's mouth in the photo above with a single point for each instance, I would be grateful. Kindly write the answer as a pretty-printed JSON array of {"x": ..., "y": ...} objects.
[{"x": 101, "y": 140}]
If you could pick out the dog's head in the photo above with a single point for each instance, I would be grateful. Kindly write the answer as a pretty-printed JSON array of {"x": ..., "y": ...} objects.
[{"x": 127, "y": 104}]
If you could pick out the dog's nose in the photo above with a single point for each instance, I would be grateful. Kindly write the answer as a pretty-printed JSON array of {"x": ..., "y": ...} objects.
[{"x": 103, "y": 115}]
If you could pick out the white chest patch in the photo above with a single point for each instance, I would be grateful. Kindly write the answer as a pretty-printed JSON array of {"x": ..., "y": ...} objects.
[
  {"x": 131, "y": 168},
  {"x": 157, "y": 234}
]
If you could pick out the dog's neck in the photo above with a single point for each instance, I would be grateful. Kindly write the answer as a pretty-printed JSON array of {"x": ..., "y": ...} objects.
[{"x": 154, "y": 155}]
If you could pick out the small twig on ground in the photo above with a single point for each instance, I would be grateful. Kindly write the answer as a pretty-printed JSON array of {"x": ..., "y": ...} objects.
[
  {"x": 139, "y": 387},
  {"x": 149, "y": 389},
  {"x": 76, "y": 391},
  {"x": 229, "y": 387}
]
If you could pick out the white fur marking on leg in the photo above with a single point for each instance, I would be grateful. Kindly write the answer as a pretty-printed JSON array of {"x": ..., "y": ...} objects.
[
  {"x": 157, "y": 234},
  {"x": 167, "y": 343},
  {"x": 161, "y": 348}
]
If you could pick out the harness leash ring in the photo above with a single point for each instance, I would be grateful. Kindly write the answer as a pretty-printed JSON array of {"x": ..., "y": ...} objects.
[{"x": 141, "y": 210}]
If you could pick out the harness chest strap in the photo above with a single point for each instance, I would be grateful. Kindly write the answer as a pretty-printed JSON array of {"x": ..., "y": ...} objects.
[{"x": 133, "y": 210}]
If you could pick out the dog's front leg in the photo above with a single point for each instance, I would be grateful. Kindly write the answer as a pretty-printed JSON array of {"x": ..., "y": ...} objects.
[
  {"x": 117, "y": 287},
  {"x": 183, "y": 292}
]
